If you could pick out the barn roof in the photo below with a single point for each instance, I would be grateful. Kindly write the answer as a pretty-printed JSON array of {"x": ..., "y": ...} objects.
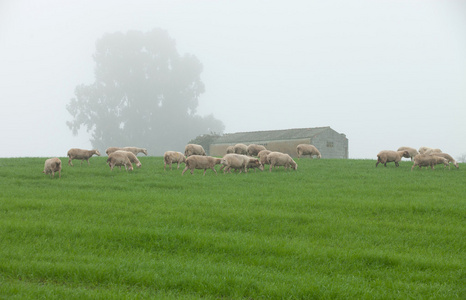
[{"x": 271, "y": 135}]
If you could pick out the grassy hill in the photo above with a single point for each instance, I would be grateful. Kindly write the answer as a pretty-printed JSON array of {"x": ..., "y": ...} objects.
[{"x": 331, "y": 229}]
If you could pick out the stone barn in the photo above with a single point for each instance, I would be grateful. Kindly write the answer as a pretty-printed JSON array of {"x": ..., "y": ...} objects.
[{"x": 330, "y": 143}]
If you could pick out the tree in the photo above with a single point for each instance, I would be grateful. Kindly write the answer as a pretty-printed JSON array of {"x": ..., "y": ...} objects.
[
  {"x": 205, "y": 140},
  {"x": 144, "y": 94}
]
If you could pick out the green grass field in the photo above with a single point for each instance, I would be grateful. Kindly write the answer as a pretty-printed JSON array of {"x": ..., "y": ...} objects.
[{"x": 333, "y": 229}]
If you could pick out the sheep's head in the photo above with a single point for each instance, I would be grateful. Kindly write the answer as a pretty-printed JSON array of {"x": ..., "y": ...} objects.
[
  {"x": 144, "y": 151},
  {"x": 97, "y": 152},
  {"x": 406, "y": 154},
  {"x": 138, "y": 164}
]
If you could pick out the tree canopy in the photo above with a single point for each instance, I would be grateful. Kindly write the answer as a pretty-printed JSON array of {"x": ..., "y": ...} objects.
[{"x": 145, "y": 94}]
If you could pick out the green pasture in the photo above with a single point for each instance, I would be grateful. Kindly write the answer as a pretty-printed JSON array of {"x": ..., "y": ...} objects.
[{"x": 333, "y": 229}]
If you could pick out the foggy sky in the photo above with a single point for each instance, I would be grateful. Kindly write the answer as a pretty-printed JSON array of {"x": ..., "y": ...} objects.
[{"x": 385, "y": 73}]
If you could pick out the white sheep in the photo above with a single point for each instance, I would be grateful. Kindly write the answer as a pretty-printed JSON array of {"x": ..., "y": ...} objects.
[
  {"x": 386, "y": 156},
  {"x": 194, "y": 149},
  {"x": 433, "y": 151},
  {"x": 131, "y": 156},
  {"x": 75, "y": 153},
  {"x": 281, "y": 159},
  {"x": 449, "y": 158},
  {"x": 425, "y": 160},
  {"x": 110, "y": 150},
  {"x": 135, "y": 150},
  {"x": 428, "y": 150},
  {"x": 412, "y": 152},
  {"x": 119, "y": 159},
  {"x": 201, "y": 162},
  {"x": 241, "y": 149},
  {"x": 51, "y": 166},
  {"x": 254, "y": 149},
  {"x": 239, "y": 161},
  {"x": 170, "y": 157},
  {"x": 307, "y": 149},
  {"x": 262, "y": 155},
  {"x": 230, "y": 149}
]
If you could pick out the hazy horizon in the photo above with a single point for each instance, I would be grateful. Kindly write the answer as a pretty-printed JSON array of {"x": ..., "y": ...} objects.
[{"x": 384, "y": 73}]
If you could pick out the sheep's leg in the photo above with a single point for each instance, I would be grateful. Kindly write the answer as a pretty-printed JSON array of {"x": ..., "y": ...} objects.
[
  {"x": 70, "y": 162},
  {"x": 184, "y": 170},
  {"x": 396, "y": 163},
  {"x": 213, "y": 168}
]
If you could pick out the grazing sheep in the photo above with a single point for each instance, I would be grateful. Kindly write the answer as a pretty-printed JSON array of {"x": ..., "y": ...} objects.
[
  {"x": 412, "y": 152},
  {"x": 425, "y": 160},
  {"x": 307, "y": 149},
  {"x": 135, "y": 150},
  {"x": 241, "y": 149},
  {"x": 428, "y": 150},
  {"x": 131, "y": 156},
  {"x": 449, "y": 158},
  {"x": 51, "y": 166},
  {"x": 170, "y": 157},
  {"x": 254, "y": 149},
  {"x": 262, "y": 155},
  {"x": 281, "y": 159},
  {"x": 230, "y": 149},
  {"x": 119, "y": 159},
  {"x": 75, "y": 153},
  {"x": 194, "y": 149},
  {"x": 433, "y": 151},
  {"x": 110, "y": 150},
  {"x": 201, "y": 162},
  {"x": 386, "y": 156},
  {"x": 239, "y": 161}
]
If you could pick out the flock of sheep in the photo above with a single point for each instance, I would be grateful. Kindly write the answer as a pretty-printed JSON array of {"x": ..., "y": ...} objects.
[
  {"x": 238, "y": 157},
  {"x": 425, "y": 157},
  {"x": 241, "y": 157}
]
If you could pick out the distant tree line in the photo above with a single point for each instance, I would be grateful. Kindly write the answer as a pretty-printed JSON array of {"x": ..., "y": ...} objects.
[{"x": 145, "y": 94}]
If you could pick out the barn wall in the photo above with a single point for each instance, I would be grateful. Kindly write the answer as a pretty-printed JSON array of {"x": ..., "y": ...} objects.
[
  {"x": 331, "y": 144},
  {"x": 285, "y": 146}
]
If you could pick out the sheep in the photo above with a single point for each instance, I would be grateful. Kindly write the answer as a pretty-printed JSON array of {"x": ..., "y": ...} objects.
[
  {"x": 170, "y": 157},
  {"x": 412, "y": 152},
  {"x": 230, "y": 149},
  {"x": 386, "y": 156},
  {"x": 131, "y": 156},
  {"x": 281, "y": 159},
  {"x": 51, "y": 166},
  {"x": 433, "y": 151},
  {"x": 425, "y": 160},
  {"x": 241, "y": 149},
  {"x": 239, "y": 161},
  {"x": 254, "y": 149},
  {"x": 135, "y": 150},
  {"x": 262, "y": 155},
  {"x": 449, "y": 158},
  {"x": 119, "y": 159},
  {"x": 307, "y": 149},
  {"x": 428, "y": 150},
  {"x": 201, "y": 162},
  {"x": 194, "y": 149},
  {"x": 75, "y": 153},
  {"x": 110, "y": 150}
]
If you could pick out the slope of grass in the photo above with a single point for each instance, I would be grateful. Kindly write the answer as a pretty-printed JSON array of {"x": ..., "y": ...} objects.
[{"x": 331, "y": 229}]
